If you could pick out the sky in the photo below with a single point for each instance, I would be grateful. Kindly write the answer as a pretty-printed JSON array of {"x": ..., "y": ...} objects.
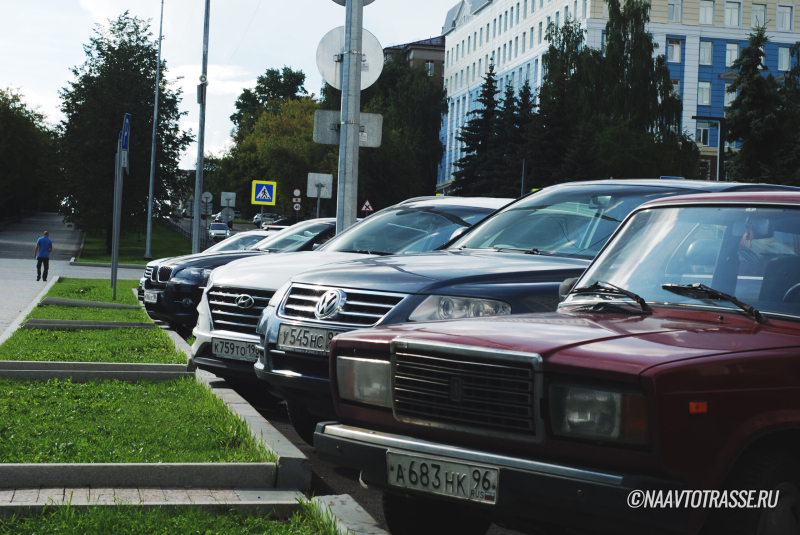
[{"x": 42, "y": 40}]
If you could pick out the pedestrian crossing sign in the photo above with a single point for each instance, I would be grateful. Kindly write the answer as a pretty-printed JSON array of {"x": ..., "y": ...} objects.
[{"x": 263, "y": 193}]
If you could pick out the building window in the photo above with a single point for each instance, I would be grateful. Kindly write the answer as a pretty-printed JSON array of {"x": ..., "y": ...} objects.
[
  {"x": 467, "y": 74},
  {"x": 457, "y": 53},
  {"x": 759, "y": 15},
  {"x": 701, "y": 134},
  {"x": 676, "y": 88},
  {"x": 505, "y": 24},
  {"x": 430, "y": 67},
  {"x": 705, "y": 53},
  {"x": 448, "y": 58},
  {"x": 541, "y": 3},
  {"x": 463, "y": 50},
  {"x": 525, "y": 11},
  {"x": 674, "y": 10},
  {"x": 732, "y": 14},
  {"x": 480, "y": 43},
  {"x": 540, "y": 33},
  {"x": 504, "y": 53},
  {"x": 706, "y": 12},
  {"x": 480, "y": 67},
  {"x": 674, "y": 51},
  {"x": 533, "y": 7},
  {"x": 548, "y": 22},
  {"x": 784, "y": 59},
  {"x": 557, "y": 14},
  {"x": 469, "y": 45},
  {"x": 704, "y": 94},
  {"x": 494, "y": 30},
  {"x": 516, "y": 46},
  {"x": 517, "y": 12},
  {"x": 566, "y": 13},
  {"x": 524, "y": 40},
  {"x": 487, "y": 63},
  {"x": 783, "y": 22},
  {"x": 535, "y": 71},
  {"x": 731, "y": 54},
  {"x": 511, "y": 22},
  {"x": 575, "y": 9},
  {"x": 729, "y": 97}
]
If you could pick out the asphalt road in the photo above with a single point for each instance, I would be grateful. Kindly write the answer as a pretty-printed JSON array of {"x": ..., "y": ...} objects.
[{"x": 18, "y": 240}]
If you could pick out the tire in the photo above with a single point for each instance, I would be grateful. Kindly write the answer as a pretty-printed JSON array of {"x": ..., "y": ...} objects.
[
  {"x": 304, "y": 422},
  {"x": 771, "y": 469},
  {"x": 410, "y": 516}
]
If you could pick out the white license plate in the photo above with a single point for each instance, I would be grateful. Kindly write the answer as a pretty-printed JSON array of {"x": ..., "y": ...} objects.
[
  {"x": 305, "y": 339},
  {"x": 457, "y": 480},
  {"x": 232, "y": 349},
  {"x": 150, "y": 297}
]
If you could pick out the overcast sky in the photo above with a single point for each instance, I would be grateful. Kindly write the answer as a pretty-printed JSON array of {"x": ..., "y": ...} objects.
[{"x": 42, "y": 40}]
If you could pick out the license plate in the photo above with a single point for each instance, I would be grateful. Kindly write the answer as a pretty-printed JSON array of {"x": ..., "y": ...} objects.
[
  {"x": 232, "y": 349},
  {"x": 305, "y": 339},
  {"x": 151, "y": 297},
  {"x": 435, "y": 476}
]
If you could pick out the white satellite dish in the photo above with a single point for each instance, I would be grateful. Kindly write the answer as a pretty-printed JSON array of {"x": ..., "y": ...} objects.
[
  {"x": 329, "y": 58},
  {"x": 343, "y": 2}
]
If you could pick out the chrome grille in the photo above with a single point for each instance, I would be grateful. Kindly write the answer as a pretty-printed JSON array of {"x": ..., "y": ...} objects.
[
  {"x": 362, "y": 308},
  {"x": 154, "y": 275},
  {"x": 226, "y": 315},
  {"x": 465, "y": 390},
  {"x": 148, "y": 272},
  {"x": 164, "y": 274}
]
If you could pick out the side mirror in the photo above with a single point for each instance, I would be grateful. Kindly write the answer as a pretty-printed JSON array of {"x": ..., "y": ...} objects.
[
  {"x": 316, "y": 246},
  {"x": 566, "y": 287}
]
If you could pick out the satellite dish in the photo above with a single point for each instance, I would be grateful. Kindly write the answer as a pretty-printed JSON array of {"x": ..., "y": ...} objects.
[
  {"x": 343, "y": 2},
  {"x": 332, "y": 47}
]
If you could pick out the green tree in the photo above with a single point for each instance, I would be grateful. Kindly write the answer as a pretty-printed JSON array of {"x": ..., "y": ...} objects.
[
  {"x": 28, "y": 173},
  {"x": 118, "y": 77},
  {"x": 274, "y": 86}
]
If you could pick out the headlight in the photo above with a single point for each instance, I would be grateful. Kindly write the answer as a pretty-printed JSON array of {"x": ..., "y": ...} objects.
[
  {"x": 596, "y": 414},
  {"x": 193, "y": 273},
  {"x": 445, "y": 308},
  {"x": 277, "y": 297},
  {"x": 364, "y": 380}
]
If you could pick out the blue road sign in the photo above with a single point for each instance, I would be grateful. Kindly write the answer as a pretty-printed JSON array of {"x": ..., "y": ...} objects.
[
  {"x": 126, "y": 131},
  {"x": 263, "y": 193}
]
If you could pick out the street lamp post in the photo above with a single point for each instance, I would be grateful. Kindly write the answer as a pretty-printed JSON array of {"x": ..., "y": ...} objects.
[
  {"x": 147, "y": 255},
  {"x": 201, "y": 135}
]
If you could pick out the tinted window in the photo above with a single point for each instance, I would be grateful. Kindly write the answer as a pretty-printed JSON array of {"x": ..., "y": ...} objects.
[
  {"x": 400, "y": 230},
  {"x": 219, "y": 226},
  {"x": 240, "y": 242},
  {"x": 571, "y": 221}
]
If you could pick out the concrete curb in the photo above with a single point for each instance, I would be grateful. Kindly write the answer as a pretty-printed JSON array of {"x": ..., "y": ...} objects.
[
  {"x": 73, "y": 262},
  {"x": 350, "y": 517},
  {"x": 294, "y": 468},
  {"x": 83, "y": 241},
  {"x": 39, "y": 365},
  {"x": 105, "y": 475},
  {"x": 72, "y": 325},
  {"x": 27, "y": 310},
  {"x": 57, "y": 301},
  {"x": 86, "y": 376}
]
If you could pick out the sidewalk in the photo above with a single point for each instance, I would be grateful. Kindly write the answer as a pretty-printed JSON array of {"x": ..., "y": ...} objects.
[{"x": 18, "y": 285}]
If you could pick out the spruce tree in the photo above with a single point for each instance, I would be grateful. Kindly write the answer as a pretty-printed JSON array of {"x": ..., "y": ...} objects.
[
  {"x": 479, "y": 138},
  {"x": 506, "y": 161}
]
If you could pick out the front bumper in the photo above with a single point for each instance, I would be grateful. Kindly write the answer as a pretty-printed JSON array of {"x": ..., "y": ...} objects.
[
  {"x": 170, "y": 306},
  {"x": 529, "y": 493},
  {"x": 203, "y": 358}
]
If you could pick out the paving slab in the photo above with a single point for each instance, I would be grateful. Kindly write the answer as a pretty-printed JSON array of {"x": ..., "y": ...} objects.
[
  {"x": 350, "y": 517},
  {"x": 6, "y": 495}
]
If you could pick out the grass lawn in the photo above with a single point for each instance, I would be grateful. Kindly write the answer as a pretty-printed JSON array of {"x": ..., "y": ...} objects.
[
  {"x": 94, "y": 290},
  {"x": 134, "y": 521},
  {"x": 151, "y": 346},
  {"x": 114, "y": 422},
  {"x": 88, "y": 314},
  {"x": 164, "y": 243}
]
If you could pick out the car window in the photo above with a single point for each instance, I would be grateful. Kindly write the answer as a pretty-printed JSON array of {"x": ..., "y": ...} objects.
[
  {"x": 295, "y": 236},
  {"x": 752, "y": 253},
  {"x": 219, "y": 226},
  {"x": 239, "y": 242},
  {"x": 405, "y": 230}
]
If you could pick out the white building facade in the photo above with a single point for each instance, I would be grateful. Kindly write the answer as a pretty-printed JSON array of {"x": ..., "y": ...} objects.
[{"x": 701, "y": 38}]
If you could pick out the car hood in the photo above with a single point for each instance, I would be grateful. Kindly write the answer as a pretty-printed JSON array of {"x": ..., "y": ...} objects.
[
  {"x": 211, "y": 260},
  {"x": 611, "y": 346},
  {"x": 443, "y": 271},
  {"x": 270, "y": 272}
]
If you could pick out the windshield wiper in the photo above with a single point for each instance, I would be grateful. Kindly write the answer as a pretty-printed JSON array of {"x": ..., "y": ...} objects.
[
  {"x": 363, "y": 251},
  {"x": 698, "y": 291},
  {"x": 603, "y": 287}
]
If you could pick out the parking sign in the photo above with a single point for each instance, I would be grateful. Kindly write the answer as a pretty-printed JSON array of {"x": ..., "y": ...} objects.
[{"x": 263, "y": 193}]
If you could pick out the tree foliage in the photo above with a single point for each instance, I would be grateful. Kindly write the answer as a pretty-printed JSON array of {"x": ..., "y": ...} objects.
[
  {"x": 28, "y": 171},
  {"x": 274, "y": 86},
  {"x": 118, "y": 77}
]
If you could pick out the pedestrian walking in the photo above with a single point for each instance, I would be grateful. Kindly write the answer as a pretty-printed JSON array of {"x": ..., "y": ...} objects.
[{"x": 44, "y": 246}]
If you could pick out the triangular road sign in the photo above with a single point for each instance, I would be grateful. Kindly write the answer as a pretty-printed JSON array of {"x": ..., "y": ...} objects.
[
  {"x": 367, "y": 207},
  {"x": 263, "y": 195}
]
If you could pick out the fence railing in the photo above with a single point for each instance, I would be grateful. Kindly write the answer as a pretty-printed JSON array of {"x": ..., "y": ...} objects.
[{"x": 205, "y": 243}]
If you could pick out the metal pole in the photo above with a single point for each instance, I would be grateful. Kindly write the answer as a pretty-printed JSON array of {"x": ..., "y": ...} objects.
[
  {"x": 117, "y": 221},
  {"x": 114, "y": 207},
  {"x": 201, "y": 136},
  {"x": 346, "y": 203},
  {"x": 319, "y": 190},
  {"x": 522, "y": 187},
  {"x": 147, "y": 255}
]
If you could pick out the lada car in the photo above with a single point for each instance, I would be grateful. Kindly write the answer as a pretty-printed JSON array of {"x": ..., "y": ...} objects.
[
  {"x": 511, "y": 263},
  {"x": 662, "y": 397},
  {"x": 175, "y": 287},
  {"x": 227, "y": 342}
]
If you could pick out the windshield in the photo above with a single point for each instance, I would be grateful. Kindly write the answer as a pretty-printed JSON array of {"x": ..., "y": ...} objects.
[
  {"x": 571, "y": 221},
  {"x": 406, "y": 230},
  {"x": 219, "y": 226},
  {"x": 747, "y": 252},
  {"x": 240, "y": 242},
  {"x": 297, "y": 236}
]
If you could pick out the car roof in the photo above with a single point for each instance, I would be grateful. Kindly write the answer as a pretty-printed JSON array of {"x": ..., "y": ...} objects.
[
  {"x": 477, "y": 202},
  {"x": 748, "y": 197},
  {"x": 700, "y": 185}
]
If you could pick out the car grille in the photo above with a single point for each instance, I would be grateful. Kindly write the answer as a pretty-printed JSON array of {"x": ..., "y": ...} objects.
[
  {"x": 464, "y": 392},
  {"x": 164, "y": 274},
  {"x": 148, "y": 272},
  {"x": 227, "y": 315},
  {"x": 362, "y": 308}
]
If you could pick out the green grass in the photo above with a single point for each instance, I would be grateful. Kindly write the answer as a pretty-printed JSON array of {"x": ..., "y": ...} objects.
[
  {"x": 152, "y": 346},
  {"x": 65, "y": 520},
  {"x": 95, "y": 290},
  {"x": 52, "y": 312},
  {"x": 114, "y": 422},
  {"x": 164, "y": 242}
]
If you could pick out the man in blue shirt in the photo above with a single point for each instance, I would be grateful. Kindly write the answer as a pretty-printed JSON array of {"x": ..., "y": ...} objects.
[{"x": 44, "y": 246}]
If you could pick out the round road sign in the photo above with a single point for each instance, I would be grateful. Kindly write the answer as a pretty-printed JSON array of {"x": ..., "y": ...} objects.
[
  {"x": 227, "y": 214},
  {"x": 332, "y": 47},
  {"x": 206, "y": 197},
  {"x": 296, "y": 207},
  {"x": 297, "y": 193}
]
